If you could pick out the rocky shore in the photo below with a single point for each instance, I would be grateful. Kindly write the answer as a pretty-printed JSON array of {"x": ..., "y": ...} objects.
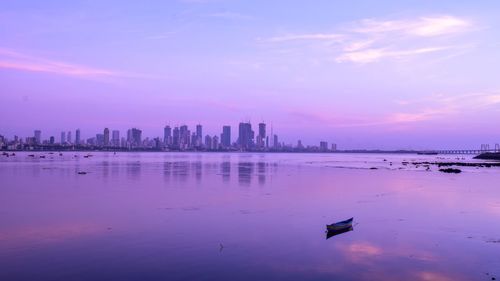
[{"x": 489, "y": 156}]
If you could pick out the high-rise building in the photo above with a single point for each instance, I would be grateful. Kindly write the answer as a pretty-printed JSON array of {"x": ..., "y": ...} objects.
[
  {"x": 208, "y": 142},
  {"x": 63, "y": 137},
  {"x": 184, "y": 139},
  {"x": 52, "y": 140},
  {"x": 245, "y": 136},
  {"x": 226, "y": 136},
  {"x": 99, "y": 140},
  {"x": 323, "y": 146},
  {"x": 136, "y": 137},
  {"x": 38, "y": 136},
  {"x": 199, "y": 136},
  {"x": 77, "y": 137},
  {"x": 275, "y": 141},
  {"x": 106, "y": 137},
  {"x": 115, "y": 141},
  {"x": 262, "y": 135},
  {"x": 176, "y": 137},
  {"x": 167, "y": 135},
  {"x": 215, "y": 142},
  {"x": 68, "y": 137},
  {"x": 199, "y": 131}
]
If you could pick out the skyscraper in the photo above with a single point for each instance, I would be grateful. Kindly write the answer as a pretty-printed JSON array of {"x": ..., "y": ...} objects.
[
  {"x": 176, "y": 137},
  {"x": 136, "y": 137},
  {"x": 199, "y": 131},
  {"x": 226, "y": 136},
  {"x": 323, "y": 146},
  {"x": 106, "y": 137},
  {"x": 262, "y": 135},
  {"x": 68, "y": 138},
  {"x": 208, "y": 142},
  {"x": 116, "y": 138},
  {"x": 245, "y": 136},
  {"x": 77, "y": 137},
  {"x": 184, "y": 137},
  {"x": 38, "y": 136},
  {"x": 99, "y": 140},
  {"x": 275, "y": 141},
  {"x": 167, "y": 135},
  {"x": 199, "y": 136},
  {"x": 63, "y": 137}
]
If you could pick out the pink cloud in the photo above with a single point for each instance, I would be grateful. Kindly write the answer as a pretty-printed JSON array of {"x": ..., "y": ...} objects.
[{"x": 18, "y": 61}]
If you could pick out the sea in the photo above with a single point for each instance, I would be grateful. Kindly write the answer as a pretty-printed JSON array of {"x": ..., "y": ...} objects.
[{"x": 246, "y": 216}]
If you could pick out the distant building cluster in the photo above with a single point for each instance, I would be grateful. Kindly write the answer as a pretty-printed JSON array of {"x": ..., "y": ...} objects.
[{"x": 178, "y": 138}]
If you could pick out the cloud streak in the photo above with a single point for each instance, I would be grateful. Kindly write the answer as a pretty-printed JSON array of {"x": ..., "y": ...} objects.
[
  {"x": 18, "y": 61},
  {"x": 370, "y": 40}
]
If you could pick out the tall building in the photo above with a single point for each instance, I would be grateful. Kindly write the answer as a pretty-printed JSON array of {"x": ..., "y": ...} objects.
[
  {"x": 77, "y": 137},
  {"x": 68, "y": 137},
  {"x": 323, "y": 146},
  {"x": 199, "y": 136},
  {"x": 245, "y": 136},
  {"x": 199, "y": 131},
  {"x": 208, "y": 142},
  {"x": 176, "y": 137},
  {"x": 275, "y": 141},
  {"x": 99, "y": 140},
  {"x": 63, "y": 137},
  {"x": 215, "y": 142},
  {"x": 226, "y": 136},
  {"x": 184, "y": 139},
  {"x": 115, "y": 140},
  {"x": 167, "y": 135},
  {"x": 52, "y": 140},
  {"x": 106, "y": 137},
  {"x": 136, "y": 137},
  {"x": 262, "y": 135},
  {"x": 38, "y": 136}
]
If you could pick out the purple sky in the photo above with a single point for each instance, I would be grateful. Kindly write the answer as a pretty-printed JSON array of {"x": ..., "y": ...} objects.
[{"x": 362, "y": 74}]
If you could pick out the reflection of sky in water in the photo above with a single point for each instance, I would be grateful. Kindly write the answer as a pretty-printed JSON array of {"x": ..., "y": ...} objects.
[{"x": 151, "y": 216}]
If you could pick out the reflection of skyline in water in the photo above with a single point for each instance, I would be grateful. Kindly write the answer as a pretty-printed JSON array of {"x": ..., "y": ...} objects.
[{"x": 245, "y": 172}]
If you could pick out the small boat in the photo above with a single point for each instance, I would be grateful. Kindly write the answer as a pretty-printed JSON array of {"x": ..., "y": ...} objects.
[
  {"x": 339, "y": 226},
  {"x": 331, "y": 233}
]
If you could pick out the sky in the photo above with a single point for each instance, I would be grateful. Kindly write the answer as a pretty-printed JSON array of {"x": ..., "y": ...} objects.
[{"x": 362, "y": 74}]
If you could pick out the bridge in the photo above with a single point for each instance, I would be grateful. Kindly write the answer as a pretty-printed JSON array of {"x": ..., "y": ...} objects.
[{"x": 484, "y": 149}]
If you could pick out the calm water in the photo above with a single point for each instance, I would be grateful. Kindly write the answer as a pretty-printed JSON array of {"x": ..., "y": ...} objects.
[{"x": 210, "y": 216}]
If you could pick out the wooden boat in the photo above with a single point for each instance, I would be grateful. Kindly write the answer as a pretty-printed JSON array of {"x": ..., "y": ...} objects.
[
  {"x": 331, "y": 233},
  {"x": 342, "y": 225}
]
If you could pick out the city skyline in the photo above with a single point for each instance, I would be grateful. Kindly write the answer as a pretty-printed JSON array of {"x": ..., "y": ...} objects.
[
  {"x": 176, "y": 138},
  {"x": 387, "y": 74}
]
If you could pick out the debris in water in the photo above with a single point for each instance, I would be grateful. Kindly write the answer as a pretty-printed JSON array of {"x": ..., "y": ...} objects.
[{"x": 450, "y": 170}]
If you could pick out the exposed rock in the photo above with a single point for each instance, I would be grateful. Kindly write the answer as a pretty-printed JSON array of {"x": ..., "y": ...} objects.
[{"x": 450, "y": 170}]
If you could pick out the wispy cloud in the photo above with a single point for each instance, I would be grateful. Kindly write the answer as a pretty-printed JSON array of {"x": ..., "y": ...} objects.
[
  {"x": 314, "y": 36},
  {"x": 409, "y": 111},
  {"x": 10, "y": 59},
  {"x": 373, "y": 55},
  {"x": 231, "y": 16},
  {"x": 423, "y": 26},
  {"x": 371, "y": 40}
]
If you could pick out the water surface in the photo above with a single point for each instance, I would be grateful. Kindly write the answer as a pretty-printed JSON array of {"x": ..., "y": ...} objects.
[{"x": 229, "y": 216}]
